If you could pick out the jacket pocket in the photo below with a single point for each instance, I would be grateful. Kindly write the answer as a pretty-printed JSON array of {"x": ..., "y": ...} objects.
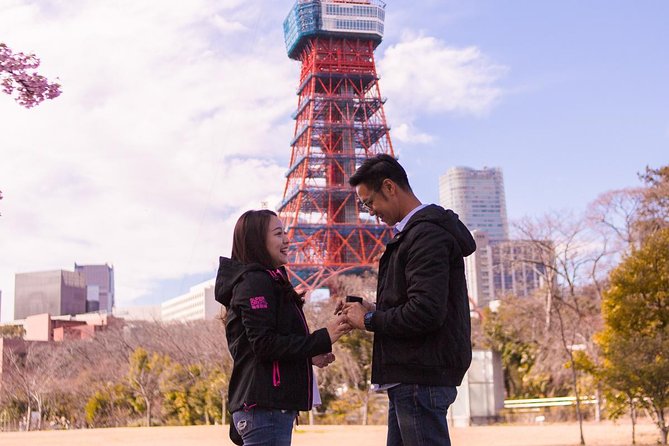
[{"x": 411, "y": 351}]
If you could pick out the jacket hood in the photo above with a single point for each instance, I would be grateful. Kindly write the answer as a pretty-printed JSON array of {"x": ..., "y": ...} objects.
[
  {"x": 448, "y": 220},
  {"x": 230, "y": 272}
]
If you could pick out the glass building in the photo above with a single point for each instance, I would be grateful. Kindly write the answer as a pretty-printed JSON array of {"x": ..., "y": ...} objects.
[
  {"x": 477, "y": 196},
  {"x": 55, "y": 292}
]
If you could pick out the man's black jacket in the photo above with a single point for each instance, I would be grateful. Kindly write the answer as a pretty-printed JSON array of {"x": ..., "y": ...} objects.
[{"x": 421, "y": 327}]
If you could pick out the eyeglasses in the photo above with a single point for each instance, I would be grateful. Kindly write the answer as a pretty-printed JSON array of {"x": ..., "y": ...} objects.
[{"x": 369, "y": 203}]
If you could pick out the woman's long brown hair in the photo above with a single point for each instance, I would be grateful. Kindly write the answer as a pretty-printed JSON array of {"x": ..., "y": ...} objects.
[
  {"x": 250, "y": 238},
  {"x": 249, "y": 245}
]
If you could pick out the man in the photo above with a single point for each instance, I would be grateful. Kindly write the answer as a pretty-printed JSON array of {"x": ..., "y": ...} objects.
[{"x": 420, "y": 322}]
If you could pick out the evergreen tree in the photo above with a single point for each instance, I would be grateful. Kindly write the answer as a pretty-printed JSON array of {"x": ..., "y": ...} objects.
[{"x": 635, "y": 340}]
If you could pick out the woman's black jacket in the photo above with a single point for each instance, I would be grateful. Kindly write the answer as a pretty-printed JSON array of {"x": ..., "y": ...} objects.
[{"x": 268, "y": 338}]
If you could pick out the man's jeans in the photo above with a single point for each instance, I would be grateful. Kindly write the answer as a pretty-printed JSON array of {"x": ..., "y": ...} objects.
[
  {"x": 267, "y": 427},
  {"x": 417, "y": 415}
]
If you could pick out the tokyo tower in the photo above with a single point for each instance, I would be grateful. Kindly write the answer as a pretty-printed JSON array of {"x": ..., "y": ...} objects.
[{"x": 339, "y": 122}]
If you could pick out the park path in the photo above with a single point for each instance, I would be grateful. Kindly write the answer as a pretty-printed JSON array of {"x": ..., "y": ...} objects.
[{"x": 558, "y": 434}]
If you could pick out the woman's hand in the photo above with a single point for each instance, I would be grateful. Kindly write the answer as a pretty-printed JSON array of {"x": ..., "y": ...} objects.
[
  {"x": 337, "y": 327},
  {"x": 323, "y": 360}
]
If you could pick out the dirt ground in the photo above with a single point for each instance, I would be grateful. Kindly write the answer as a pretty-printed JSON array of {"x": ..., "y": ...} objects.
[{"x": 562, "y": 434}]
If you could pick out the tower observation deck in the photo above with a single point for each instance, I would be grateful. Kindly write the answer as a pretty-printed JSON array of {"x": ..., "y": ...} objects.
[{"x": 339, "y": 122}]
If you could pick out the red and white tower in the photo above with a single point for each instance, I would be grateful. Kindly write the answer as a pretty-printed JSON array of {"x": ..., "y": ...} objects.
[{"x": 339, "y": 122}]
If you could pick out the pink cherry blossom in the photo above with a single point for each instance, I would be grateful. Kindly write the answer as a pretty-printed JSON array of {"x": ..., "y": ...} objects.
[{"x": 19, "y": 79}]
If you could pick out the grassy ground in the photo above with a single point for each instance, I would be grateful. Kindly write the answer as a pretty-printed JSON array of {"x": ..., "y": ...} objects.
[{"x": 559, "y": 434}]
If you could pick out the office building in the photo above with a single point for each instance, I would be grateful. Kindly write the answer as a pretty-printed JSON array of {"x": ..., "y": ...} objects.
[
  {"x": 197, "y": 304},
  {"x": 499, "y": 266},
  {"x": 478, "y": 269},
  {"x": 477, "y": 196},
  {"x": 55, "y": 292},
  {"x": 505, "y": 267},
  {"x": 99, "y": 287},
  {"x": 519, "y": 267}
]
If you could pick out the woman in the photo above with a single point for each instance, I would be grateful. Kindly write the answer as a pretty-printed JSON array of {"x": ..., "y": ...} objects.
[{"x": 270, "y": 343}]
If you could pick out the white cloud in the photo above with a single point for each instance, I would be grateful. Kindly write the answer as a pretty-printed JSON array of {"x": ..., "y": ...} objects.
[
  {"x": 172, "y": 121},
  {"x": 423, "y": 76},
  {"x": 226, "y": 26},
  {"x": 406, "y": 132}
]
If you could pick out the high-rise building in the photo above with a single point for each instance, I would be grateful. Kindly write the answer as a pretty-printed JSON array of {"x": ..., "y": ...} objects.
[
  {"x": 477, "y": 196},
  {"x": 197, "y": 304},
  {"x": 339, "y": 122},
  {"x": 55, "y": 292},
  {"x": 515, "y": 267},
  {"x": 478, "y": 269},
  {"x": 499, "y": 266},
  {"x": 99, "y": 286}
]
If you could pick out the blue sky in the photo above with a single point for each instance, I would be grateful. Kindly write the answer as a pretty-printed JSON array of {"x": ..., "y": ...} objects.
[
  {"x": 175, "y": 117},
  {"x": 585, "y": 104}
]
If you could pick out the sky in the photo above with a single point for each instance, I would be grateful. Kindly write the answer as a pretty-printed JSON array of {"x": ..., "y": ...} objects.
[{"x": 175, "y": 117}]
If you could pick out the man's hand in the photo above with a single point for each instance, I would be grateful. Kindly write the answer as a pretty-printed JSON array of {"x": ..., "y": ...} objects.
[
  {"x": 369, "y": 306},
  {"x": 355, "y": 314}
]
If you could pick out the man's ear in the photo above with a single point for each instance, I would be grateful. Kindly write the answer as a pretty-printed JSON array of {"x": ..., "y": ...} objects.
[{"x": 389, "y": 187}]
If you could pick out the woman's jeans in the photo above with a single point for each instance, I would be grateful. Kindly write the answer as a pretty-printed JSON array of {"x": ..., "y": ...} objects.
[
  {"x": 417, "y": 415},
  {"x": 267, "y": 427}
]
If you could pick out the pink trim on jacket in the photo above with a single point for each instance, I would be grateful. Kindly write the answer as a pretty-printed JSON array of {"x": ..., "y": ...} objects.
[{"x": 276, "y": 374}]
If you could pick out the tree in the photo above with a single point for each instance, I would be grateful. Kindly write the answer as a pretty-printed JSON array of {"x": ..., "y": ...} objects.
[
  {"x": 193, "y": 394},
  {"x": 18, "y": 77},
  {"x": 635, "y": 340},
  {"x": 109, "y": 406},
  {"x": 514, "y": 330},
  {"x": 571, "y": 256},
  {"x": 31, "y": 376},
  {"x": 352, "y": 369},
  {"x": 615, "y": 214},
  {"x": 145, "y": 377},
  {"x": 654, "y": 213},
  {"x": 12, "y": 331}
]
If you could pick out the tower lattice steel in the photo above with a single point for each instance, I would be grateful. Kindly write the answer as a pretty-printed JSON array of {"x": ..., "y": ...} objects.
[{"x": 339, "y": 123}]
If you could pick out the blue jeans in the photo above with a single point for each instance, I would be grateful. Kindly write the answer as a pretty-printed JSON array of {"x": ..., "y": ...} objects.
[
  {"x": 267, "y": 427},
  {"x": 417, "y": 415}
]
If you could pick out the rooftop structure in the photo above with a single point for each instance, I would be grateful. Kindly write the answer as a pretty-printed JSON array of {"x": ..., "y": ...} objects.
[{"x": 336, "y": 18}]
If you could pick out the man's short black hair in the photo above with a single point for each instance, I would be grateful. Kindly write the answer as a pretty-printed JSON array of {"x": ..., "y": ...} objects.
[{"x": 374, "y": 170}]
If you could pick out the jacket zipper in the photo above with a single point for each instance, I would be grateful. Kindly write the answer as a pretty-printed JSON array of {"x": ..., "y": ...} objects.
[{"x": 310, "y": 372}]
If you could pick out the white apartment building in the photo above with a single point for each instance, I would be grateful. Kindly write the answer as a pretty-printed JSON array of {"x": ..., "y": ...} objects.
[{"x": 196, "y": 304}]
